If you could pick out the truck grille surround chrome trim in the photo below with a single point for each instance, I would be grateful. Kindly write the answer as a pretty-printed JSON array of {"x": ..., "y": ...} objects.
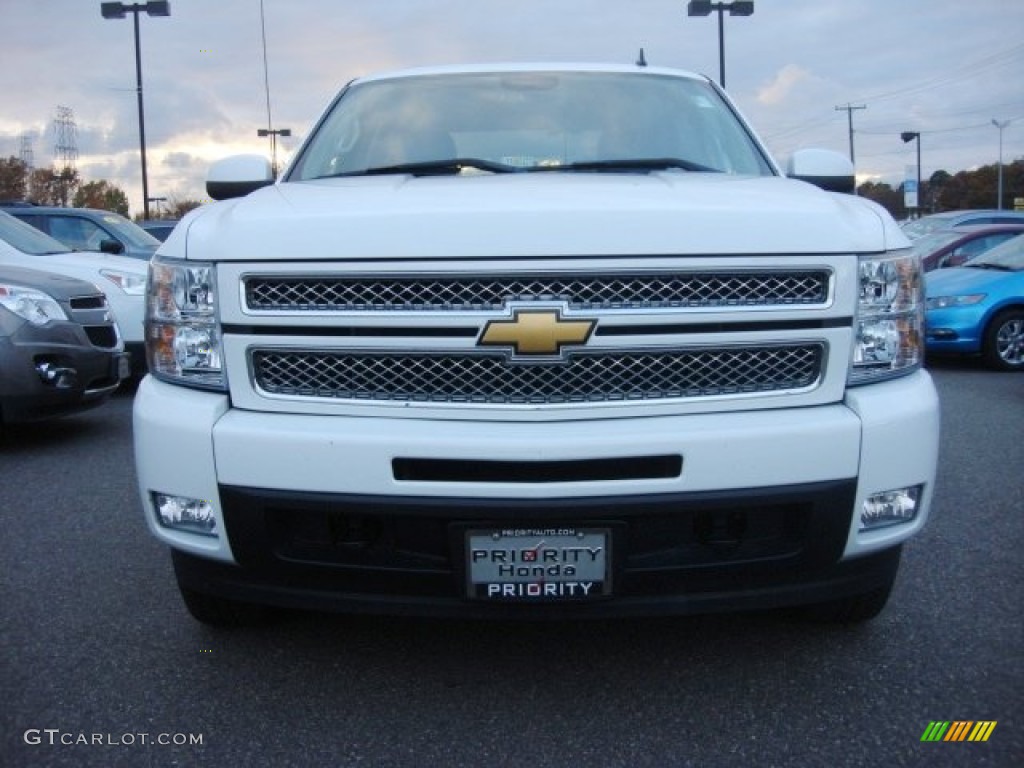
[
  {"x": 490, "y": 379},
  {"x": 587, "y": 292},
  {"x": 354, "y": 334}
]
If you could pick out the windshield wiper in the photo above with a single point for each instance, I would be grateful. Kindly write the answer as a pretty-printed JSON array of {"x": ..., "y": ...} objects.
[
  {"x": 630, "y": 164},
  {"x": 989, "y": 265},
  {"x": 447, "y": 167}
]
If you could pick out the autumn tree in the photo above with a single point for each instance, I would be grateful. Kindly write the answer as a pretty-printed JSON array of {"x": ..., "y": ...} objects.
[
  {"x": 13, "y": 179},
  {"x": 179, "y": 206},
  {"x": 47, "y": 186},
  {"x": 883, "y": 194},
  {"x": 103, "y": 195}
]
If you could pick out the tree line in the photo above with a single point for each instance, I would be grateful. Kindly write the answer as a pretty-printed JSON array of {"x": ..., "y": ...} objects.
[
  {"x": 63, "y": 187},
  {"x": 953, "y": 192},
  {"x": 941, "y": 192}
]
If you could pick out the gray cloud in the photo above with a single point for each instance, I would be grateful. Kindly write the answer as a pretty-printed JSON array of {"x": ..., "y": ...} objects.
[{"x": 934, "y": 66}]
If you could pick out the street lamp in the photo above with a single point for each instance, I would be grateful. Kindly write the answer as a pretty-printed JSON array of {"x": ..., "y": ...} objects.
[
  {"x": 1000, "y": 126},
  {"x": 911, "y": 136},
  {"x": 273, "y": 133},
  {"x": 118, "y": 11},
  {"x": 736, "y": 8}
]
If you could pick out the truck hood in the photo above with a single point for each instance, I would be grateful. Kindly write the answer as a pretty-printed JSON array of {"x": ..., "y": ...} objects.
[{"x": 534, "y": 215}]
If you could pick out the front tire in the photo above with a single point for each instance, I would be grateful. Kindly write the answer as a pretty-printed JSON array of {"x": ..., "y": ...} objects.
[{"x": 1003, "y": 343}]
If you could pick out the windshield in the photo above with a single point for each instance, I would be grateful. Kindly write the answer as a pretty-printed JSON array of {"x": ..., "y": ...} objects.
[
  {"x": 27, "y": 238},
  {"x": 129, "y": 231},
  {"x": 1008, "y": 255},
  {"x": 928, "y": 224},
  {"x": 529, "y": 121},
  {"x": 928, "y": 244}
]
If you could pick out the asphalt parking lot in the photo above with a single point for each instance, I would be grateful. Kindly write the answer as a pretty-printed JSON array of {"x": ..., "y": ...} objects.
[{"x": 102, "y": 666}]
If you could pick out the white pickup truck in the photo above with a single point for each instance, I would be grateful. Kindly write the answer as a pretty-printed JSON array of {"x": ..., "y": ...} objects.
[{"x": 521, "y": 341}]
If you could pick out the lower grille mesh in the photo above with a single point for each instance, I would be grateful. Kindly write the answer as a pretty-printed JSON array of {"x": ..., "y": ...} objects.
[{"x": 491, "y": 379}]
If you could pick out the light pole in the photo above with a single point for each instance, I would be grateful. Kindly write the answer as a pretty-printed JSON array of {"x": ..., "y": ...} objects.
[
  {"x": 910, "y": 136},
  {"x": 273, "y": 133},
  {"x": 735, "y": 8},
  {"x": 118, "y": 11},
  {"x": 1000, "y": 126},
  {"x": 269, "y": 130}
]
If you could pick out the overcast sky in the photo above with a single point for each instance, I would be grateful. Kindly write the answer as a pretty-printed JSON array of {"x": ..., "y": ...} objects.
[{"x": 944, "y": 68}]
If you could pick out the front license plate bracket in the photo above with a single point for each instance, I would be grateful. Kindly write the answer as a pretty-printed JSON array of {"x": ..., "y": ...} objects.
[{"x": 538, "y": 564}]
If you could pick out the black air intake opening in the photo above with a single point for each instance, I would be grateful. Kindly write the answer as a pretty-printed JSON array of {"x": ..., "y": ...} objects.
[{"x": 468, "y": 471}]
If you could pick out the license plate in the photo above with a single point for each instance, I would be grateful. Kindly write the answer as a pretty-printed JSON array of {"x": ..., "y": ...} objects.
[{"x": 538, "y": 564}]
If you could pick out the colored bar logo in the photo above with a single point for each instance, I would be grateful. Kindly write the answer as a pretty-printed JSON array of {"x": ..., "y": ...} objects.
[{"x": 958, "y": 730}]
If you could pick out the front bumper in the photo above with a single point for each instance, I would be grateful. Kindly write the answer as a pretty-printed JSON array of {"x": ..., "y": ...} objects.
[
  {"x": 90, "y": 374},
  {"x": 778, "y": 491},
  {"x": 955, "y": 330}
]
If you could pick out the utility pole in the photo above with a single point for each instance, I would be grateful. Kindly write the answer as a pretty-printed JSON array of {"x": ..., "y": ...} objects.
[
  {"x": 1000, "y": 126},
  {"x": 66, "y": 150},
  {"x": 849, "y": 118},
  {"x": 25, "y": 153}
]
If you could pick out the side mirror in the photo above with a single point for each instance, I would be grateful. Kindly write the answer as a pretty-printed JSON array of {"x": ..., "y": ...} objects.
[
  {"x": 823, "y": 168},
  {"x": 114, "y": 247},
  {"x": 237, "y": 176}
]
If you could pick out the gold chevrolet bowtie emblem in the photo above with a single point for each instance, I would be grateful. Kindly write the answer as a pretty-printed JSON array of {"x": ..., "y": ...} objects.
[{"x": 536, "y": 332}]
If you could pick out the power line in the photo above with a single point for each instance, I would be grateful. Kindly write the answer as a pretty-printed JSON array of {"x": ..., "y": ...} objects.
[
  {"x": 967, "y": 71},
  {"x": 956, "y": 129}
]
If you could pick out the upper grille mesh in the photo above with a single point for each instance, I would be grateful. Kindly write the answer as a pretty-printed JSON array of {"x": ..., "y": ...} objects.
[
  {"x": 490, "y": 379},
  {"x": 443, "y": 294}
]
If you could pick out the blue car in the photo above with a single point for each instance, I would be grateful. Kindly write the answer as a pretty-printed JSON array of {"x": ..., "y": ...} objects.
[{"x": 979, "y": 308}]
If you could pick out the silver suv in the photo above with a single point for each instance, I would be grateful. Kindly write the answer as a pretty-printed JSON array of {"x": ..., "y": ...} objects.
[{"x": 60, "y": 350}]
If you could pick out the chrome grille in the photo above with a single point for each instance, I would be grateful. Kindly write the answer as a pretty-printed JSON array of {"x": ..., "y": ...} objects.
[
  {"x": 491, "y": 379},
  {"x": 461, "y": 293}
]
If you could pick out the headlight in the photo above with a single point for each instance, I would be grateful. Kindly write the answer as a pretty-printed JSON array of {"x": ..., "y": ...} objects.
[
  {"x": 890, "y": 317},
  {"x": 183, "y": 343},
  {"x": 35, "y": 306},
  {"x": 130, "y": 282},
  {"x": 943, "y": 302}
]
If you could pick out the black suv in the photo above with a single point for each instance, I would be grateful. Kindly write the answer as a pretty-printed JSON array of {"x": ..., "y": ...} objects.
[{"x": 60, "y": 349}]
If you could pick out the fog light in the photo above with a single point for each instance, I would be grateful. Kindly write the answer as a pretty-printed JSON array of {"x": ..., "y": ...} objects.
[
  {"x": 185, "y": 514},
  {"x": 890, "y": 508},
  {"x": 56, "y": 375}
]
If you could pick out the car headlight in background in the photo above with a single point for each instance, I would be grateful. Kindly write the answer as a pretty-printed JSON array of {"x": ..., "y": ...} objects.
[
  {"x": 888, "y": 329},
  {"x": 35, "y": 306},
  {"x": 183, "y": 340},
  {"x": 131, "y": 283},
  {"x": 944, "y": 302}
]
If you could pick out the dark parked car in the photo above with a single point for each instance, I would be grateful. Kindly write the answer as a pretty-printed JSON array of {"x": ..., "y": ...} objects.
[
  {"x": 955, "y": 247},
  {"x": 159, "y": 228},
  {"x": 60, "y": 350},
  {"x": 88, "y": 229}
]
